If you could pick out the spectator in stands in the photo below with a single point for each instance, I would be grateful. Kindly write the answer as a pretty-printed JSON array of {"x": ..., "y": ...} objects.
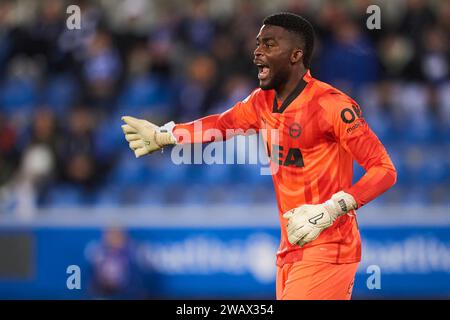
[
  {"x": 349, "y": 58},
  {"x": 9, "y": 154},
  {"x": 76, "y": 153},
  {"x": 101, "y": 71},
  {"x": 114, "y": 273}
]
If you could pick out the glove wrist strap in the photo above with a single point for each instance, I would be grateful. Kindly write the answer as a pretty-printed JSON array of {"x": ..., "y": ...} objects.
[
  {"x": 340, "y": 203},
  {"x": 165, "y": 135}
]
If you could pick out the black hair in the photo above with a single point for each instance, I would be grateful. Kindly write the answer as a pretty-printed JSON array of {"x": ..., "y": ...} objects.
[{"x": 298, "y": 25}]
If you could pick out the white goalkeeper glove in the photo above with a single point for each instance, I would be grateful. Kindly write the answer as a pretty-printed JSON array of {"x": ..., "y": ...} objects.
[
  {"x": 144, "y": 137},
  {"x": 308, "y": 221}
]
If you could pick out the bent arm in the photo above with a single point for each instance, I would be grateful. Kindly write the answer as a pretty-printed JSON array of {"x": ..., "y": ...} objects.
[
  {"x": 352, "y": 132},
  {"x": 380, "y": 174}
]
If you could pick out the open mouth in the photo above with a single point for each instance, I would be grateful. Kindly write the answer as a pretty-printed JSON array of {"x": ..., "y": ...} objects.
[{"x": 263, "y": 71}]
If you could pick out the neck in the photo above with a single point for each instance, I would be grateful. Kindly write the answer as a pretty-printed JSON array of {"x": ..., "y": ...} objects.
[{"x": 288, "y": 86}]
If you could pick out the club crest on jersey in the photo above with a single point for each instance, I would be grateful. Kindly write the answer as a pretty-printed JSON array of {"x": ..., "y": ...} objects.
[{"x": 295, "y": 130}]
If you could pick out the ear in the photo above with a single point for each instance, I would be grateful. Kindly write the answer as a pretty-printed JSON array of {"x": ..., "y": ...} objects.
[{"x": 296, "y": 55}]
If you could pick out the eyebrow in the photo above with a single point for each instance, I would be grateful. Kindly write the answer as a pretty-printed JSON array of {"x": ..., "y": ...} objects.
[{"x": 265, "y": 39}]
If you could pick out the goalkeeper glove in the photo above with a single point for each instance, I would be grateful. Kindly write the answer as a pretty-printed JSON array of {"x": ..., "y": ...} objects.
[
  {"x": 144, "y": 137},
  {"x": 308, "y": 221}
]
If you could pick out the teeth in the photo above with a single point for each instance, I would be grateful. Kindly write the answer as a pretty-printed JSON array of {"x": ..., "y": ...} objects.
[{"x": 263, "y": 73}]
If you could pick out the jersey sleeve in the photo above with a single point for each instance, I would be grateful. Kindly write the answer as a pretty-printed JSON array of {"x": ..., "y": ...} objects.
[
  {"x": 242, "y": 118},
  {"x": 352, "y": 132}
]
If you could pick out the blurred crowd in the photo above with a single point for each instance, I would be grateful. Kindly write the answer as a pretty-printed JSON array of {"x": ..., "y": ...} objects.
[{"x": 62, "y": 93}]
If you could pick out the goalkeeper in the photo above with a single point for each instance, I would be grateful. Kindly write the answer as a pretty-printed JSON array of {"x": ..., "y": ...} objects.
[{"x": 321, "y": 131}]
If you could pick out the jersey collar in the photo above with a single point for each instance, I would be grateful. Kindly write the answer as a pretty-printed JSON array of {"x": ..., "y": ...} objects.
[
  {"x": 307, "y": 77},
  {"x": 293, "y": 95}
]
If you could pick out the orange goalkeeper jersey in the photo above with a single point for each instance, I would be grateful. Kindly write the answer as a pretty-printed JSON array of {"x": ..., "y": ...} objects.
[{"x": 320, "y": 131}]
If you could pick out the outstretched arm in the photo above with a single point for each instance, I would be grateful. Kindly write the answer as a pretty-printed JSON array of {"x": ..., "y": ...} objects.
[
  {"x": 242, "y": 118},
  {"x": 145, "y": 137}
]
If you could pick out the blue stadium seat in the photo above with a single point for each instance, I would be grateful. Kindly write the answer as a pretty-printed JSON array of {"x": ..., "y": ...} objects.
[
  {"x": 60, "y": 93},
  {"x": 17, "y": 95},
  {"x": 129, "y": 171},
  {"x": 391, "y": 196},
  {"x": 141, "y": 93},
  {"x": 436, "y": 169},
  {"x": 238, "y": 194},
  {"x": 414, "y": 161},
  {"x": 416, "y": 195},
  {"x": 251, "y": 174},
  {"x": 397, "y": 154},
  {"x": 382, "y": 125},
  {"x": 151, "y": 195},
  {"x": 263, "y": 194},
  {"x": 108, "y": 196},
  {"x": 194, "y": 174},
  {"x": 215, "y": 174},
  {"x": 420, "y": 130},
  {"x": 109, "y": 139},
  {"x": 195, "y": 194},
  {"x": 64, "y": 196},
  {"x": 163, "y": 172}
]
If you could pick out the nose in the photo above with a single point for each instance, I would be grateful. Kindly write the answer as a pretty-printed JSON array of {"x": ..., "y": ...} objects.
[{"x": 257, "y": 53}]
